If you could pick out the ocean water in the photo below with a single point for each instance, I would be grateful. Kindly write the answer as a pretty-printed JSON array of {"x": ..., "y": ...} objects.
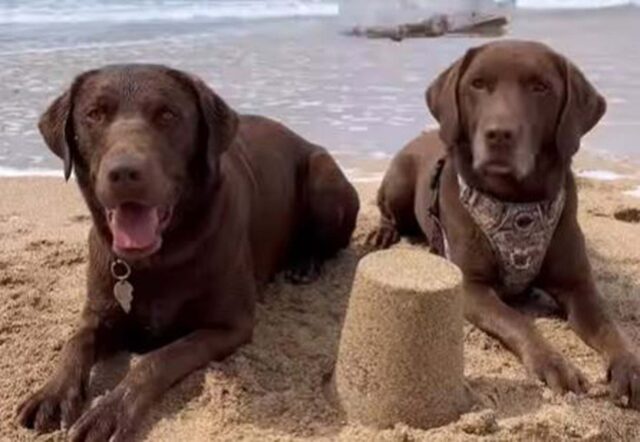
[
  {"x": 362, "y": 99},
  {"x": 115, "y": 11},
  {"x": 571, "y": 4}
]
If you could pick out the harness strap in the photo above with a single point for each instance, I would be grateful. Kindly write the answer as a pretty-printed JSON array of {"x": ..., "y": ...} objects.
[{"x": 435, "y": 234}]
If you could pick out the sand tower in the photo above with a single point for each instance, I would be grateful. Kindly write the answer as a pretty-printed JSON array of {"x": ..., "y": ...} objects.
[{"x": 400, "y": 354}]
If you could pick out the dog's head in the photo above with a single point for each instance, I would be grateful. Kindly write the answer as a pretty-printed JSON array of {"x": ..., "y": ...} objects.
[
  {"x": 512, "y": 114},
  {"x": 143, "y": 140}
]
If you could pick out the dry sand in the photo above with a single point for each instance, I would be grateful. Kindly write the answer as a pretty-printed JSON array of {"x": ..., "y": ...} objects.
[{"x": 274, "y": 388}]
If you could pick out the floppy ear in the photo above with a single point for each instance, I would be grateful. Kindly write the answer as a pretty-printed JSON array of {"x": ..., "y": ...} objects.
[
  {"x": 583, "y": 107},
  {"x": 56, "y": 128},
  {"x": 220, "y": 121},
  {"x": 442, "y": 99},
  {"x": 56, "y": 125}
]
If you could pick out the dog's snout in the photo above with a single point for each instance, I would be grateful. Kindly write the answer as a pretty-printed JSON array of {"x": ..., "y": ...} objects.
[
  {"x": 499, "y": 136},
  {"x": 124, "y": 173}
]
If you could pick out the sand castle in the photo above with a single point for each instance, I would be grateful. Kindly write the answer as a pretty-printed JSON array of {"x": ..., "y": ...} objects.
[{"x": 400, "y": 354}]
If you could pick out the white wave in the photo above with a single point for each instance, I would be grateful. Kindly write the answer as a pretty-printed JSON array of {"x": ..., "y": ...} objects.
[
  {"x": 102, "y": 45},
  {"x": 601, "y": 175},
  {"x": 635, "y": 192},
  {"x": 571, "y": 4},
  {"x": 367, "y": 178},
  {"x": 32, "y": 172},
  {"x": 79, "y": 12}
]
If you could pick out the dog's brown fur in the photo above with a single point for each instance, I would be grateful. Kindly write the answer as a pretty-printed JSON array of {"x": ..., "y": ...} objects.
[
  {"x": 511, "y": 117},
  {"x": 248, "y": 198}
]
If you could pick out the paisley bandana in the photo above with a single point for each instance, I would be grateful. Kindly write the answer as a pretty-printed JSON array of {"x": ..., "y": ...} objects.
[{"x": 519, "y": 233}]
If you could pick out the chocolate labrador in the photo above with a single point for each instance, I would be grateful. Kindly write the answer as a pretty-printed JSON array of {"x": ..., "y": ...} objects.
[
  {"x": 493, "y": 191},
  {"x": 194, "y": 208}
]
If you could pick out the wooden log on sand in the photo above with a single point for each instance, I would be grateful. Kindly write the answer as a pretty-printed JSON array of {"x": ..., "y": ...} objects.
[{"x": 436, "y": 26}]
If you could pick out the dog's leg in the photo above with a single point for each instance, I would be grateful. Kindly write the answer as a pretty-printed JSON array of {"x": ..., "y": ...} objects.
[
  {"x": 117, "y": 415},
  {"x": 331, "y": 208},
  {"x": 589, "y": 319},
  {"x": 396, "y": 202},
  {"x": 488, "y": 312},
  {"x": 572, "y": 286},
  {"x": 386, "y": 233},
  {"x": 59, "y": 402}
]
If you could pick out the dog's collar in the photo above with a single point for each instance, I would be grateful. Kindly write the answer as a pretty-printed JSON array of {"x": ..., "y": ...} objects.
[{"x": 519, "y": 233}]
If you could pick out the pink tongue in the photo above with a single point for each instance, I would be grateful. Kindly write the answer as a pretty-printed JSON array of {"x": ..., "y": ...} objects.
[{"x": 134, "y": 226}]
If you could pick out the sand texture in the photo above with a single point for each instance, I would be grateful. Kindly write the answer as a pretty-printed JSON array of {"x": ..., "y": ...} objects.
[
  {"x": 274, "y": 388},
  {"x": 400, "y": 353}
]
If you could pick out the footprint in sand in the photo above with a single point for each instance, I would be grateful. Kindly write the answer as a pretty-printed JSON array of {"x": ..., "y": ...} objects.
[
  {"x": 40, "y": 244},
  {"x": 12, "y": 281},
  {"x": 80, "y": 218},
  {"x": 62, "y": 256},
  {"x": 628, "y": 215},
  {"x": 57, "y": 253}
]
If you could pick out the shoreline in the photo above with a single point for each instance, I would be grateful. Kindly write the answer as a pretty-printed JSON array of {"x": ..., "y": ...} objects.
[{"x": 370, "y": 169}]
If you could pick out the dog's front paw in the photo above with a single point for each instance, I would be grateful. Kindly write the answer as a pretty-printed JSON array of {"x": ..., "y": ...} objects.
[
  {"x": 624, "y": 379},
  {"x": 112, "y": 418},
  {"x": 554, "y": 370},
  {"x": 382, "y": 237},
  {"x": 56, "y": 405}
]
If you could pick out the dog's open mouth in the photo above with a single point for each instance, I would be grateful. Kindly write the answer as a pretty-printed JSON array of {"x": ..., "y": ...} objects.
[{"x": 137, "y": 228}]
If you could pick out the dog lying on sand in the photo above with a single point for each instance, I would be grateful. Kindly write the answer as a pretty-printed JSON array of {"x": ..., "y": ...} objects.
[
  {"x": 493, "y": 191},
  {"x": 194, "y": 208}
]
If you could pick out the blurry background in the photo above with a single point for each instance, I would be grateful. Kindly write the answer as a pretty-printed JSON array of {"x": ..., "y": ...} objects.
[{"x": 363, "y": 99}]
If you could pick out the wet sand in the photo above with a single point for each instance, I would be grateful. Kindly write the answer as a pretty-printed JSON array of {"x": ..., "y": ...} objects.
[{"x": 273, "y": 389}]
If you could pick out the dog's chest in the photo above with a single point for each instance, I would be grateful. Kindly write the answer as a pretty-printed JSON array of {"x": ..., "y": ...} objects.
[{"x": 157, "y": 315}]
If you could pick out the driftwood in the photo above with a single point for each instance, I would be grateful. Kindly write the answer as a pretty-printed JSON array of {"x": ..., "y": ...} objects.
[{"x": 436, "y": 26}]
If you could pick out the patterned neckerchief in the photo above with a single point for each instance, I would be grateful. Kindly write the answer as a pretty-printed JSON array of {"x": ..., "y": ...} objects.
[{"x": 519, "y": 233}]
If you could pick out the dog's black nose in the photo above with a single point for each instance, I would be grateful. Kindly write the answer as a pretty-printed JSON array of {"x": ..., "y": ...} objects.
[
  {"x": 125, "y": 171},
  {"x": 124, "y": 174},
  {"x": 499, "y": 136}
]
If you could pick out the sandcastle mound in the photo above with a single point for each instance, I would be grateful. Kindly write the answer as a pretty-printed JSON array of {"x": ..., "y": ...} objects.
[{"x": 400, "y": 355}]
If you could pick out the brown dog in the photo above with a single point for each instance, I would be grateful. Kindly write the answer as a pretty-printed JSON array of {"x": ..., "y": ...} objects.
[
  {"x": 495, "y": 188},
  {"x": 194, "y": 208}
]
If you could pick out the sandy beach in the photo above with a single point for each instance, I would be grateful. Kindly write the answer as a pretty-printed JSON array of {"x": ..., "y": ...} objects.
[
  {"x": 274, "y": 388},
  {"x": 363, "y": 100}
]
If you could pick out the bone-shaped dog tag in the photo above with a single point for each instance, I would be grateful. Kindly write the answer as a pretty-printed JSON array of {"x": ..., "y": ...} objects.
[{"x": 123, "y": 292}]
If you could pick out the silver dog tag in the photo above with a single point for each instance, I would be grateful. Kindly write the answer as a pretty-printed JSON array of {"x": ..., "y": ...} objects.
[{"x": 123, "y": 292}]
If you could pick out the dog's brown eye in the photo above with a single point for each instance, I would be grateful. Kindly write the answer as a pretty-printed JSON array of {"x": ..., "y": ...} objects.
[
  {"x": 539, "y": 87},
  {"x": 167, "y": 115},
  {"x": 479, "y": 83},
  {"x": 95, "y": 115}
]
